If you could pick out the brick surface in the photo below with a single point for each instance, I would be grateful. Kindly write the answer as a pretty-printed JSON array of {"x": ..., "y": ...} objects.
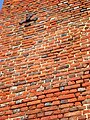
[{"x": 45, "y": 67}]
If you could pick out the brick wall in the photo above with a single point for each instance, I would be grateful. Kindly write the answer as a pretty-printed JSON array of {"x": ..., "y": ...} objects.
[{"x": 45, "y": 67}]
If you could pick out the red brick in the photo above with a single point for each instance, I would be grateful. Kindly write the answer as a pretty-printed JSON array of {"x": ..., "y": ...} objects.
[
  {"x": 77, "y": 113},
  {"x": 32, "y": 116},
  {"x": 60, "y": 116},
  {"x": 40, "y": 105},
  {"x": 17, "y": 114},
  {"x": 4, "y": 108},
  {"x": 35, "y": 111},
  {"x": 24, "y": 108},
  {"x": 48, "y": 113},
  {"x": 18, "y": 106},
  {"x": 45, "y": 118},
  {"x": 88, "y": 115},
  {"x": 86, "y": 111},
  {"x": 66, "y": 96},
  {"x": 83, "y": 117},
  {"x": 49, "y": 99},
  {"x": 34, "y": 102},
  {"x": 50, "y": 95},
  {"x": 66, "y": 105},
  {"x": 41, "y": 97},
  {"x": 40, "y": 114},
  {"x": 72, "y": 100},
  {"x": 9, "y": 112},
  {"x": 73, "y": 91},
  {"x": 45, "y": 67},
  {"x": 53, "y": 117},
  {"x": 19, "y": 97},
  {"x": 72, "y": 86},
  {"x": 86, "y": 84},
  {"x": 32, "y": 107},
  {"x": 65, "y": 110},
  {"x": 56, "y": 112},
  {"x": 37, "y": 119},
  {"x": 81, "y": 98},
  {"x": 77, "y": 103},
  {"x": 3, "y": 117},
  {"x": 73, "y": 118},
  {"x": 4, "y": 101},
  {"x": 77, "y": 94},
  {"x": 51, "y": 91},
  {"x": 56, "y": 102},
  {"x": 86, "y": 76},
  {"x": 49, "y": 108}
]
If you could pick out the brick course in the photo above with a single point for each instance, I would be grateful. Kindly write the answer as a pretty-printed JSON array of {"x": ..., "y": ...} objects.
[{"x": 45, "y": 67}]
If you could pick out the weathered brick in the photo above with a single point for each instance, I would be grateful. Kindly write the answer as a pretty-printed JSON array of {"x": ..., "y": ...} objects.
[
  {"x": 64, "y": 118},
  {"x": 19, "y": 101},
  {"x": 64, "y": 110},
  {"x": 66, "y": 105},
  {"x": 63, "y": 101},
  {"x": 77, "y": 113},
  {"x": 45, "y": 67},
  {"x": 82, "y": 117},
  {"x": 16, "y": 115},
  {"x": 32, "y": 116},
  {"x": 73, "y": 109},
  {"x": 48, "y": 113},
  {"x": 40, "y": 114},
  {"x": 81, "y": 89},
  {"x": 48, "y": 104},
  {"x": 73, "y": 118},
  {"x": 16, "y": 110},
  {"x": 86, "y": 101}
]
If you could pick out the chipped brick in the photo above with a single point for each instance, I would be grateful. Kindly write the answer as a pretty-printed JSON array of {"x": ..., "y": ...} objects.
[
  {"x": 48, "y": 104},
  {"x": 81, "y": 89}
]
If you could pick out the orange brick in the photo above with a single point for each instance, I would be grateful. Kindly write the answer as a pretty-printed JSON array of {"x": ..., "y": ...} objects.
[
  {"x": 56, "y": 112},
  {"x": 66, "y": 96},
  {"x": 72, "y": 100},
  {"x": 49, "y": 108},
  {"x": 41, "y": 105},
  {"x": 32, "y": 116},
  {"x": 77, "y": 113},
  {"x": 77, "y": 103},
  {"x": 49, "y": 99},
  {"x": 24, "y": 108},
  {"x": 34, "y": 102},
  {"x": 35, "y": 111},
  {"x": 56, "y": 102}
]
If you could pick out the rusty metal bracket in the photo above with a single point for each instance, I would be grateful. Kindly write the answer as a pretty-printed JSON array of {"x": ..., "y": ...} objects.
[{"x": 28, "y": 20}]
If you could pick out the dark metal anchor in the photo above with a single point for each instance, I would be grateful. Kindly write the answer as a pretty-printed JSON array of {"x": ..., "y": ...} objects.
[{"x": 28, "y": 20}]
